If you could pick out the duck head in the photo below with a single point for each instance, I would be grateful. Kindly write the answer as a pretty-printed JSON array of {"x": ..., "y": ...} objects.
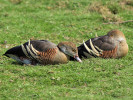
[
  {"x": 117, "y": 36},
  {"x": 119, "y": 39},
  {"x": 69, "y": 49}
]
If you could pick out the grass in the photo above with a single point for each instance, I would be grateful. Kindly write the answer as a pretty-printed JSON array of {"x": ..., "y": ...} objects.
[{"x": 65, "y": 20}]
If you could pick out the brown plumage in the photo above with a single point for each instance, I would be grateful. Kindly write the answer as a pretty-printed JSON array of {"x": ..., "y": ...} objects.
[
  {"x": 43, "y": 52},
  {"x": 112, "y": 45}
]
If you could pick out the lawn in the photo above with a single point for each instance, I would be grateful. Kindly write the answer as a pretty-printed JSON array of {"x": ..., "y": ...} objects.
[{"x": 65, "y": 20}]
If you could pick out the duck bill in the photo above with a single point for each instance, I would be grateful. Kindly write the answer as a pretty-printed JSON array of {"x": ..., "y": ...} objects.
[{"x": 78, "y": 59}]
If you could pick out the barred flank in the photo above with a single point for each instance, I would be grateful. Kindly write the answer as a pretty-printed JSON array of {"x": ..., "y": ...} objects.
[{"x": 109, "y": 54}]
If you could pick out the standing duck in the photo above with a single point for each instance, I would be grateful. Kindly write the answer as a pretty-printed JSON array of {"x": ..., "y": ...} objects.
[
  {"x": 112, "y": 45},
  {"x": 43, "y": 52}
]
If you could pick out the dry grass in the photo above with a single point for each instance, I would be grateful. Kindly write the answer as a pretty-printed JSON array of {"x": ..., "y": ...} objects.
[
  {"x": 127, "y": 4},
  {"x": 62, "y": 4},
  {"x": 15, "y": 1},
  {"x": 106, "y": 13},
  {"x": 58, "y": 5},
  {"x": 67, "y": 4}
]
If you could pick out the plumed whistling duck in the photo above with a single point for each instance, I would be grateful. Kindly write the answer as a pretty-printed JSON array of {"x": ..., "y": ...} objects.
[
  {"x": 112, "y": 45},
  {"x": 43, "y": 52}
]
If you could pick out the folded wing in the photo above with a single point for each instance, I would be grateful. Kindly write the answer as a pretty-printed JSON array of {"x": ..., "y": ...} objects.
[{"x": 98, "y": 47}]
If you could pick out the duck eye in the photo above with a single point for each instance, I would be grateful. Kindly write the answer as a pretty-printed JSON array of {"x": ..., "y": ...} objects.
[{"x": 73, "y": 50}]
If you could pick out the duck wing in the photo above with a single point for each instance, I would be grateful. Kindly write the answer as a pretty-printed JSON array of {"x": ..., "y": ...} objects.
[
  {"x": 40, "y": 50},
  {"x": 32, "y": 51},
  {"x": 102, "y": 46}
]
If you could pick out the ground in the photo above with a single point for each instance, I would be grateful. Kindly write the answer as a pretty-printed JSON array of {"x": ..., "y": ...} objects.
[{"x": 65, "y": 20}]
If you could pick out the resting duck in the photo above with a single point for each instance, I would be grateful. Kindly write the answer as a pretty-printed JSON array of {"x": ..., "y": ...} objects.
[
  {"x": 43, "y": 52},
  {"x": 112, "y": 45}
]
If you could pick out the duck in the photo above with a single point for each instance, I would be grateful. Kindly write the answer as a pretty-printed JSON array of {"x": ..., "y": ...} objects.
[
  {"x": 111, "y": 45},
  {"x": 43, "y": 52}
]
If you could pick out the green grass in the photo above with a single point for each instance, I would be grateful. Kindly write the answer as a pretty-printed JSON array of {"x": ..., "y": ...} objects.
[{"x": 65, "y": 20}]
